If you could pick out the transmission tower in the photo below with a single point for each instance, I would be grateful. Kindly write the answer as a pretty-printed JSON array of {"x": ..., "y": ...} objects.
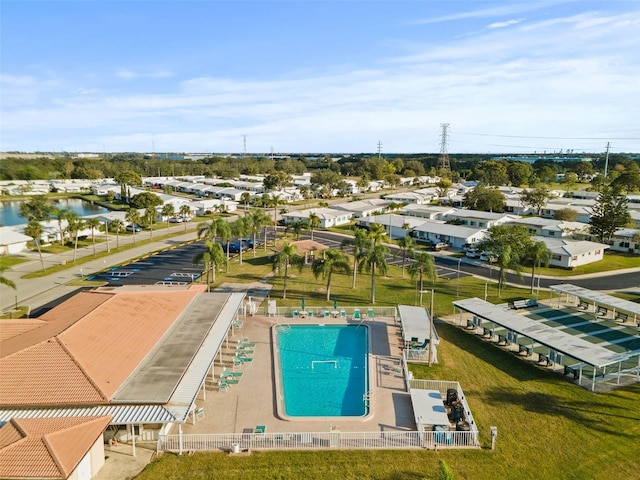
[
  {"x": 379, "y": 149},
  {"x": 444, "y": 167}
]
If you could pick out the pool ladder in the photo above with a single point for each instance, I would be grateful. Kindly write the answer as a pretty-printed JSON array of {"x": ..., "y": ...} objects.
[{"x": 366, "y": 397}]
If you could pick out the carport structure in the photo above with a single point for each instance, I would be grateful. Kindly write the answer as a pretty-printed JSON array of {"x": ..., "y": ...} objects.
[
  {"x": 600, "y": 301},
  {"x": 559, "y": 344}
]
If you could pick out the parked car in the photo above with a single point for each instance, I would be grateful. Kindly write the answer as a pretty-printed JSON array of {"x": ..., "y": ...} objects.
[
  {"x": 472, "y": 253},
  {"x": 440, "y": 246},
  {"x": 487, "y": 256},
  {"x": 176, "y": 220},
  {"x": 133, "y": 228}
]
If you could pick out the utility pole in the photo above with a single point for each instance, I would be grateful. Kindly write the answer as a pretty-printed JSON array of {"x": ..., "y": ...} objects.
[
  {"x": 244, "y": 145},
  {"x": 444, "y": 167}
]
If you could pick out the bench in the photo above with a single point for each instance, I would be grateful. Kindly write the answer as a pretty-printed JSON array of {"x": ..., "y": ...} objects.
[
  {"x": 532, "y": 302},
  {"x": 622, "y": 316},
  {"x": 583, "y": 305},
  {"x": 544, "y": 359},
  {"x": 525, "y": 349},
  {"x": 519, "y": 304},
  {"x": 470, "y": 325},
  {"x": 487, "y": 332},
  {"x": 602, "y": 311},
  {"x": 502, "y": 340},
  {"x": 572, "y": 371}
]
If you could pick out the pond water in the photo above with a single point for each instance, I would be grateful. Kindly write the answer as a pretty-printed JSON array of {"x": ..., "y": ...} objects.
[{"x": 10, "y": 211}]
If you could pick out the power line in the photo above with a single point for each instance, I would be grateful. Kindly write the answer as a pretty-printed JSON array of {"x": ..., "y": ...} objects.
[{"x": 547, "y": 138}]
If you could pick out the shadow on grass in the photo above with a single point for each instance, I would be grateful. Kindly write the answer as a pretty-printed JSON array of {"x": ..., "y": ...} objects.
[
  {"x": 589, "y": 413},
  {"x": 505, "y": 361}
]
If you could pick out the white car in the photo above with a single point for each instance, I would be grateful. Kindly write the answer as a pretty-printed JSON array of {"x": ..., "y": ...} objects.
[
  {"x": 472, "y": 253},
  {"x": 487, "y": 256}
]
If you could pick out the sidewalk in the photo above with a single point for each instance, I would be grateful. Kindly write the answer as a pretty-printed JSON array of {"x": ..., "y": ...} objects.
[{"x": 36, "y": 292}]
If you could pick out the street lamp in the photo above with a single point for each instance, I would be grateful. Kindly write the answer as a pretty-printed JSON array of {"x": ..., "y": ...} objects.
[{"x": 458, "y": 282}]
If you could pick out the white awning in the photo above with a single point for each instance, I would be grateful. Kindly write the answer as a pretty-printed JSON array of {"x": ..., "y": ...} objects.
[{"x": 428, "y": 407}]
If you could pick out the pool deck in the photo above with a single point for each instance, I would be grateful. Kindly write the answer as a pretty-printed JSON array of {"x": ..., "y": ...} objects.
[{"x": 253, "y": 401}]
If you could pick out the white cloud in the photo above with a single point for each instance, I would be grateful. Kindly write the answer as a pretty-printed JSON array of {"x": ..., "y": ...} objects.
[
  {"x": 504, "y": 24},
  {"x": 127, "y": 74}
]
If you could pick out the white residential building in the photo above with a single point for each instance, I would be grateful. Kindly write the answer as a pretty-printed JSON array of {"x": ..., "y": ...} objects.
[
  {"x": 364, "y": 208},
  {"x": 547, "y": 227},
  {"x": 397, "y": 226},
  {"x": 408, "y": 197},
  {"x": 456, "y": 235},
  {"x": 567, "y": 253},
  {"x": 478, "y": 218},
  {"x": 429, "y": 212},
  {"x": 626, "y": 240},
  {"x": 329, "y": 217}
]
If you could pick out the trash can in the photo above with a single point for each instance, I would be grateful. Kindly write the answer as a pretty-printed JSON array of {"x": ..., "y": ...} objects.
[{"x": 235, "y": 448}]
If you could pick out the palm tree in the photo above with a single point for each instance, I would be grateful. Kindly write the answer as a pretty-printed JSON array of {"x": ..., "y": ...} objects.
[
  {"x": 314, "y": 222},
  {"x": 133, "y": 217},
  {"x": 212, "y": 257},
  {"x": 35, "y": 231},
  {"x": 74, "y": 225},
  {"x": 507, "y": 259},
  {"x": 208, "y": 230},
  {"x": 225, "y": 234},
  {"x": 185, "y": 211},
  {"x": 360, "y": 243},
  {"x": 93, "y": 223},
  {"x": 60, "y": 214},
  {"x": 257, "y": 220},
  {"x": 241, "y": 228},
  {"x": 539, "y": 255},
  {"x": 245, "y": 198},
  {"x": 296, "y": 226},
  {"x": 423, "y": 266},
  {"x": 117, "y": 226},
  {"x": 273, "y": 201},
  {"x": 333, "y": 261},
  {"x": 149, "y": 218},
  {"x": 168, "y": 211},
  {"x": 374, "y": 258},
  {"x": 4, "y": 280},
  {"x": 377, "y": 233},
  {"x": 283, "y": 259},
  {"x": 406, "y": 244}
]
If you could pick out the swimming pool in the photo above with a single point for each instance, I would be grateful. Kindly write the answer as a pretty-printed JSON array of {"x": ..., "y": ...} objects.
[{"x": 323, "y": 370}]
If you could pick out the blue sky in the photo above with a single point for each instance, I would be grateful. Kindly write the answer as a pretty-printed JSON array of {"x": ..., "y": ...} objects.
[{"x": 319, "y": 76}]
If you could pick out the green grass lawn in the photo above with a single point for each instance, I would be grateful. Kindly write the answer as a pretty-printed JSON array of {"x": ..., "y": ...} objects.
[
  {"x": 548, "y": 428},
  {"x": 611, "y": 261},
  {"x": 8, "y": 262}
]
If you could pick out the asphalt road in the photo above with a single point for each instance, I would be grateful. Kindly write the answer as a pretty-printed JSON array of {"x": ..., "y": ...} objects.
[{"x": 174, "y": 265}]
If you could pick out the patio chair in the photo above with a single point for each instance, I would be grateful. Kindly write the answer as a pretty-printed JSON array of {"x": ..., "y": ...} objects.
[
  {"x": 230, "y": 380},
  {"x": 223, "y": 386},
  {"x": 343, "y": 314},
  {"x": 228, "y": 373},
  {"x": 326, "y": 313},
  {"x": 261, "y": 429},
  {"x": 238, "y": 324},
  {"x": 243, "y": 359},
  {"x": 370, "y": 314},
  {"x": 199, "y": 413},
  {"x": 356, "y": 314},
  {"x": 295, "y": 314}
]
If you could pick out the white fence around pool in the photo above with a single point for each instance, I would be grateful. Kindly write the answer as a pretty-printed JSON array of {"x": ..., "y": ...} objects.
[{"x": 316, "y": 441}]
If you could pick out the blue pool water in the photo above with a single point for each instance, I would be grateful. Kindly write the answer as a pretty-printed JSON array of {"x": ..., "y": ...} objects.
[{"x": 324, "y": 370}]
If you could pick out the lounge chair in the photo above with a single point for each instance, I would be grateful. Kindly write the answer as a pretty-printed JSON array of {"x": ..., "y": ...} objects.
[
  {"x": 260, "y": 429},
  {"x": 244, "y": 342},
  {"x": 244, "y": 351},
  {"x": 230, "y": 380},
  {"x": 199, "y": 413},
  {"x": 228, "y": 373},
  {"x": 243, "y": 359},
  {"x": 223, "y": 386}
]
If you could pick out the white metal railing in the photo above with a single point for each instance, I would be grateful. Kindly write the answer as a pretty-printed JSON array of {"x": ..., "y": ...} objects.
[
  {"x": 317, "y": 440},
  {"x": 318, "y": 311}
]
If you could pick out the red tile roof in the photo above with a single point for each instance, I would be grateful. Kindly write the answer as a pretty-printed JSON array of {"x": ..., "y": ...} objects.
[
  {"x": 47, "y": 447},
  {"x": 11, "y": 328},
  {"x": 88, "y": 356}
]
